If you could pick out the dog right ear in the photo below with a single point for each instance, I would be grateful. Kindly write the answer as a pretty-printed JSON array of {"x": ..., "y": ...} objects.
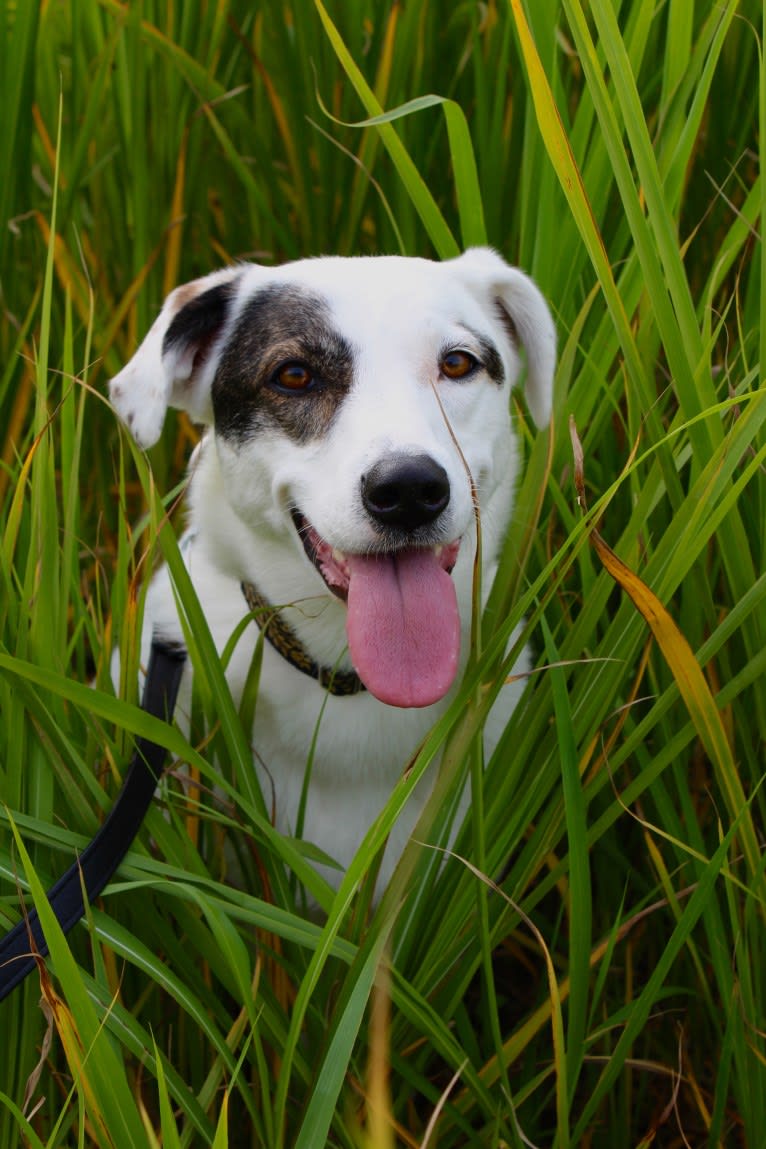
[{"x": 176, "y": 363}]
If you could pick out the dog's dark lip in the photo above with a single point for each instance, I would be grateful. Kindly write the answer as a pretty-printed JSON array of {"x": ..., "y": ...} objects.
[
  {"x": 320, "y": 554},
  {"x": 332, "y": 564}
]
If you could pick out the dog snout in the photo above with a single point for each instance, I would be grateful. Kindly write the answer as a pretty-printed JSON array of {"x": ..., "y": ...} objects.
[{"x": 405, "y": 491}]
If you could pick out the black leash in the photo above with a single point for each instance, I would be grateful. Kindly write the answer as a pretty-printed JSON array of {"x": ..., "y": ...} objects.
[{"x": 25, "y": 942}]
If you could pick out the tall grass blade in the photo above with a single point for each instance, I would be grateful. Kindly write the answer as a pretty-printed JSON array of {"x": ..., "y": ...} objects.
[
  {"x": 98, "y": 1074},
  {"x": 429, "y": 212}
]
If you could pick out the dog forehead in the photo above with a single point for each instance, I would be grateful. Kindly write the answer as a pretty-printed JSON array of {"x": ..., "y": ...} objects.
[{"x": 368, "y": 294}]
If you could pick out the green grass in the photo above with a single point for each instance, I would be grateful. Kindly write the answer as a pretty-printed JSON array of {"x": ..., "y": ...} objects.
[{"x": 588, "y": 970}]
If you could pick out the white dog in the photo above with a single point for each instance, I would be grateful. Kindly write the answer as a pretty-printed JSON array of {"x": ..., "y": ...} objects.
[{"x": 347, "y": 401}]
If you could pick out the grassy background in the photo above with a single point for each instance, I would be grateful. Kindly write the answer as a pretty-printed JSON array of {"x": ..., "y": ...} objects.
[{"x": 608, "y": 990}]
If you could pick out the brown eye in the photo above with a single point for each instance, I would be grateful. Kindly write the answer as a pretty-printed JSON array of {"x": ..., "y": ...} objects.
[
  {"x": 293, "y": 378},
  {"x": 458, "y": 364}
]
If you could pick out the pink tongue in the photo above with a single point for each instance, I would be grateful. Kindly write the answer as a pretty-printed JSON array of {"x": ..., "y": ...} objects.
[{"x": 403, "y": 626}]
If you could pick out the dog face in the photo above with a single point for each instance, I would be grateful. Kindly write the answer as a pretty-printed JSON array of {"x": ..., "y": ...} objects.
[{"x": 358, "y": 407}]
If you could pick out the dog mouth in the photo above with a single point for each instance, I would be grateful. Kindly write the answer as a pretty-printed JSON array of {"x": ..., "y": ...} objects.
[{"x": 402, "y": 622}]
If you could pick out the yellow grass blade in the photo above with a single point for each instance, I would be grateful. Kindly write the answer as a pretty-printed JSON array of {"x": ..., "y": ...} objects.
[{"x": 691, "y": 682}]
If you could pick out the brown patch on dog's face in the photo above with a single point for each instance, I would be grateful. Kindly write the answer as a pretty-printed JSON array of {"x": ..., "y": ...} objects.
[
  {"x": 284, "y": 365},
  {"x": 185, "y": 293}
]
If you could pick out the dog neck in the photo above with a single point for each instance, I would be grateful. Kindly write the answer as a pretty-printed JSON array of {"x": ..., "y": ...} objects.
[{"x": 285, "y": 641}]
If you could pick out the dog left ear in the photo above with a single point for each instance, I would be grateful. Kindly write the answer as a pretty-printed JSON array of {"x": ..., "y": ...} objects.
[
  {"x": 175, "y": 364},
  {"x": 529, "y": 320}
]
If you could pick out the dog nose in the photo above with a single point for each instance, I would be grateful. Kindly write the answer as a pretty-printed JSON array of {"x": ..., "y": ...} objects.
[{"x": 405, "y": 491}]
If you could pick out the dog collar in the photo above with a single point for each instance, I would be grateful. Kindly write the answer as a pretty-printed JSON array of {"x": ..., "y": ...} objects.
[{"x": 286, "y": 642}]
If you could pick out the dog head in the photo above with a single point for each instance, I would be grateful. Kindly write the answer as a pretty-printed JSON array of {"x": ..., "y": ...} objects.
[{"x": 358, "y": 406}]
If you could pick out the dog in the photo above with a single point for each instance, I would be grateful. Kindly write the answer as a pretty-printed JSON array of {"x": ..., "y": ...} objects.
[{"x": 355, "y": 411}]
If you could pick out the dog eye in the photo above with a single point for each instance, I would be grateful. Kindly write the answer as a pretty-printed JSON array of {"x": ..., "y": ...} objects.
[
  {"x": 293, "y": 377},
  {"x": 458, "y": 364}
]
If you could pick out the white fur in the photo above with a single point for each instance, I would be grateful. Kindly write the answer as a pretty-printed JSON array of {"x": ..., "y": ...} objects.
[{"x": 398, "y": 314}]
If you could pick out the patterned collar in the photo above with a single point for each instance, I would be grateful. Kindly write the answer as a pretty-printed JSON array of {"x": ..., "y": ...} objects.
[{"x": 285, "y": 641}]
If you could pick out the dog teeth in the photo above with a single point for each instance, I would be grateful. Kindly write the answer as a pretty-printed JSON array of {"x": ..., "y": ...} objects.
[
  {"x": 438, "y": 550},
  {"x": 338, "y": 555}
]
